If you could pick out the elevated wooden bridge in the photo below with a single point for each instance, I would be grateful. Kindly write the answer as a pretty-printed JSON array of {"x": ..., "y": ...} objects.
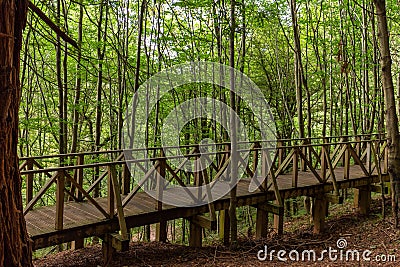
[{"x": 95, "y": 194}]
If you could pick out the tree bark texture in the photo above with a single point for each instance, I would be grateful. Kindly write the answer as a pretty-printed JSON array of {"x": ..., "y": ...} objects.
[
  {"x": 392, "y": 126},
  {"x": 15, "y": 248}
]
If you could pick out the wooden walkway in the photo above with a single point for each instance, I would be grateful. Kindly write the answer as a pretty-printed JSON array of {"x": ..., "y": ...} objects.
[{"x": 80, "y": 219}]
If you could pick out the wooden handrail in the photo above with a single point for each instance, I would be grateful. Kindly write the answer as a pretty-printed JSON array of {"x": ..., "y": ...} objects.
[
  {"x": 121, "y": 162},
  {"x": 196, "y": 145},
  {"x": 314, "y": 155}
]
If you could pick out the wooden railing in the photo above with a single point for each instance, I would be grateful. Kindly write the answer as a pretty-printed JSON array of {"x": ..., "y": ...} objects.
[{"x": 319, "y": 156}]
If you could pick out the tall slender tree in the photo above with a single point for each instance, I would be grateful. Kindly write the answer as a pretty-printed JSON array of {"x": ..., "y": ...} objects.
[
  {"x": 233, "y": 128},
  {"x": 392, "y": 122},
  {"x": 78, "y": 83}
]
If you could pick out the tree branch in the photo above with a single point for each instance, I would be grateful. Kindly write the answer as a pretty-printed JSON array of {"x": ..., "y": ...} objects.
[{"x": 51, "y": 24}]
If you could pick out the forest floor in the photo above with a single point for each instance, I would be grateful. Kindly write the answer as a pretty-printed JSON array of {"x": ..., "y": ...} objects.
[{"x": 370, "y": 236}]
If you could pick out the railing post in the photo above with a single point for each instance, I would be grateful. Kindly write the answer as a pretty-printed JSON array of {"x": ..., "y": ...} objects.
[
  {"x": 60, "y": 200},
  {"x": 160, "y": 175},
  {"x": 255, "y": 157},
  {"x": 161, "y": 227},
  {"x": 265, "y": 169},
  {"x": 304, "y": 149},
  {"x": 323, "y": 163},
  {"x": 126, "y": 180},
  {"x": 295, "y": 174},
  {"x": 280, "y": 152},
  {"x": 110, "y": 194},
  {"x": 29, "y": 181},
  {"x": 368, "y": 156},
  {"x": 344, "y": 140},
  {"x": 79, "y": 175},
  {"x": 346, "y": 174},
  {"x": 198, "y": 181},
  {"x": 386, "y": 159}
]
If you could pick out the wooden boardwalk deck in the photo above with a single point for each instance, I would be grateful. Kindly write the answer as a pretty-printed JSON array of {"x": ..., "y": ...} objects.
[{"x": 82, "y": 219}]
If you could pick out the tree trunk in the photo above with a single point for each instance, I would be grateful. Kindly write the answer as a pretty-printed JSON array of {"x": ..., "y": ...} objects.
[
  {"x": 15, "y": 249},
  {"x": 376, "y": 95},
  {"x": 392, "y": 127},
  {"x": 297, "y": 69},
  {"x": 61, "y": 95},
  {"x": 101, "y": 39},
  {"x": 233, "y": 129},
  {"x": 76, "y": 115}
]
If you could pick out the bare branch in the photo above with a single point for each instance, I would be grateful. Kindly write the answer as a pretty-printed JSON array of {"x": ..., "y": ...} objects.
[{"x": 52, "y": 25}]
